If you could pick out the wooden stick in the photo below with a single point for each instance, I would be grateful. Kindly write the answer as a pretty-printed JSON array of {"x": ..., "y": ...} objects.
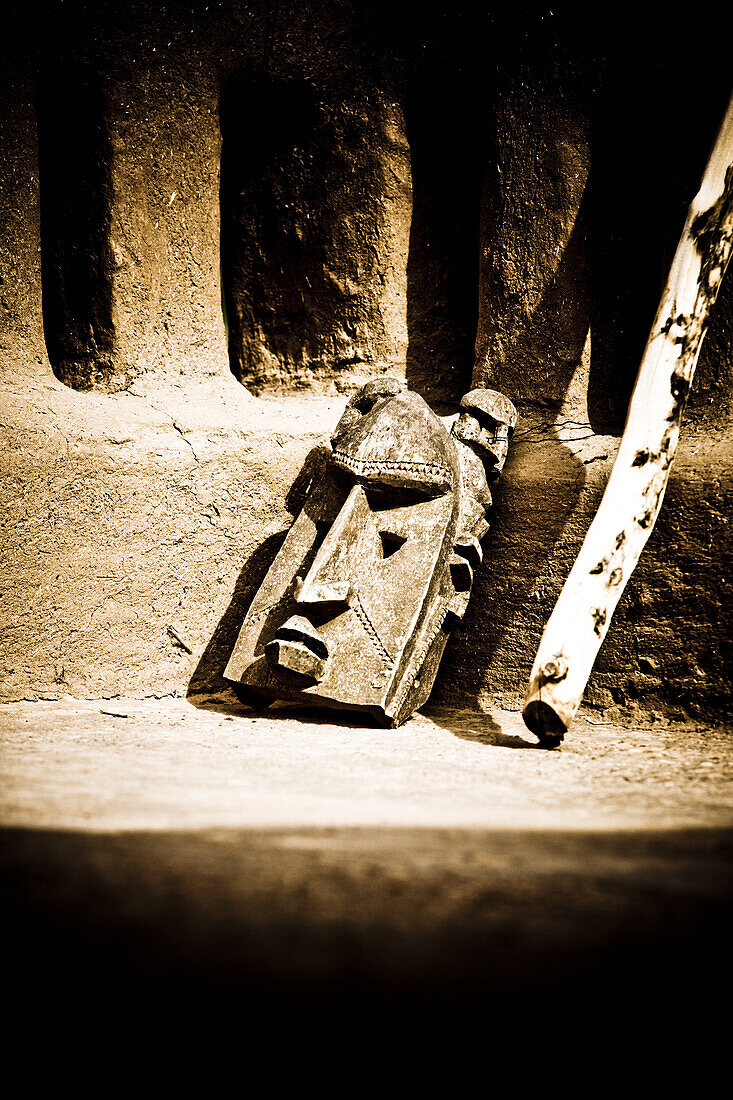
[{"x": 630, "y": 505}]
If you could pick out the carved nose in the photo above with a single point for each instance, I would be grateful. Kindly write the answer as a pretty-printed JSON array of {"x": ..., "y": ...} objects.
[
  {"x": 336, "y": 593},
  {"x": 327, "y": 584},
  {"x": 298, "y": 650}
]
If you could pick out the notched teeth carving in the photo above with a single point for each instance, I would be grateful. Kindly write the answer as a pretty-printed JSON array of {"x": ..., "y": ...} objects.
[
  {"x": 395, "y": 470},
  {"x": 398, "y": 442}
]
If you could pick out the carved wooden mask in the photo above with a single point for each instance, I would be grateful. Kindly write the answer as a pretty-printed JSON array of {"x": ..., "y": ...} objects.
[{"x": 356, "y": 608}]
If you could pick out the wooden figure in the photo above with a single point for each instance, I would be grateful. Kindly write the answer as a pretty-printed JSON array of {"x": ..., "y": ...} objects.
[{"x": 356, "y": 608}]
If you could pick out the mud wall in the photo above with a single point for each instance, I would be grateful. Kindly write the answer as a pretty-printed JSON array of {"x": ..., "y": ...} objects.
[{"x": 218, "y": 220}]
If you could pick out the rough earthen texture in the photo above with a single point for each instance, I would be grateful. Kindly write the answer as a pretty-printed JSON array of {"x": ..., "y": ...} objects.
[
  {"x": 583, "y": 207},
  {"x": 669, "y": 649},
  {"x": 534, "y": 306},
  {"x": 128, "y": 524},
  {"x": 138, "y": 522},
  {"x": 21, "y": 324},
  {"x": 316, "y": 209}
]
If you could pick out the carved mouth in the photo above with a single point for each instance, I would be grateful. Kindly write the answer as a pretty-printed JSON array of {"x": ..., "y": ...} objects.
[
  {"x": 299, "y": 629},
  {"x": 297, "y": 653}
]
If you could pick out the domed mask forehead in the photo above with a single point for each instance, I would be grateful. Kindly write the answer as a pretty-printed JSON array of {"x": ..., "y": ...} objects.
[{"x": 400, "y": 443}]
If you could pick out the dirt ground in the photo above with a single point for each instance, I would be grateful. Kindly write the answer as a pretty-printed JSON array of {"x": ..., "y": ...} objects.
[{"x": 324, "y": 877}]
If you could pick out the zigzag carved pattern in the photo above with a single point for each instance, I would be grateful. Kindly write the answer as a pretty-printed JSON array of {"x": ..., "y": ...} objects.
[
  {"x": 417, "y": 662},
  {"x": 390, "y": 465},
  {"x": 366, "y": 622}
]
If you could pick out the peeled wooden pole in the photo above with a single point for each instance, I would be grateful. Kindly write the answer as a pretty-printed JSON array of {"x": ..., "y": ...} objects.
[{"x": 634, "y": 493}]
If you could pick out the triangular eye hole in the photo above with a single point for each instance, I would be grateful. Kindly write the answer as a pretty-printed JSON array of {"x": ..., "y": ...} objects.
[{"x": 391, "y": 543}]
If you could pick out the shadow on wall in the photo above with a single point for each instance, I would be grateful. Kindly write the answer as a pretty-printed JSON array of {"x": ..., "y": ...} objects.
[
  {"x": 642, "y": 181},
  {"x": 448, "y": 160},
  {"x": 304, "y": 252},
  {"x": 308, "y": 247},
  {"x": 533, "y": 501},
  {"x": 208, "y": 678},
  {"x": 656, "y": 116},
  {"x": 75, "y": 161}
]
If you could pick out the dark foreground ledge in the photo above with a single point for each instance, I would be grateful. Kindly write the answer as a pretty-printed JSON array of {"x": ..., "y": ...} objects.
[{"x": 286, "y": 875}]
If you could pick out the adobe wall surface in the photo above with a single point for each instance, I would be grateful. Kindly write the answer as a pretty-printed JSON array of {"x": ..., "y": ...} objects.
[{"x": 217, "y": 222}]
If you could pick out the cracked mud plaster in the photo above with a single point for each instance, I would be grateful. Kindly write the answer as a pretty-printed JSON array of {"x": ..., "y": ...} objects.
[
  {"x": 106, "y": 546},
  {"x": 112, "y": 540},
  {"x": 119, "y": 560}
]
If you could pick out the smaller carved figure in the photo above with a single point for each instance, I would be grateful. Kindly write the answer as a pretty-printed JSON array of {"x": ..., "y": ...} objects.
[{"x": 357, "y": 606}]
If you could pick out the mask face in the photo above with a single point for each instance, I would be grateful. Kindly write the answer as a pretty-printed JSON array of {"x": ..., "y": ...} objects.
[{"x": 356, "y": 608}]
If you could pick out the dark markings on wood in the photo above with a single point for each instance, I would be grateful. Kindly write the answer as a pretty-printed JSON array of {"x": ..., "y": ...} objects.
[
  {"x": 599, "y": 619},
  {"x": 679, "y": 385},
  {"x": 710, "y": 241},
  {"x": 680, "y": 320}
]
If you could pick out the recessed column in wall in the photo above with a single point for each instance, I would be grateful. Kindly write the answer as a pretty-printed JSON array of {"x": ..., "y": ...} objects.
[
  {"x": 315, "y": 199},
  {"x": 533, "y": 307},
  {"x": 21, "y": 324},
  {"x": 76, "y": 198},
  {"x": 166, "y": 299}
]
